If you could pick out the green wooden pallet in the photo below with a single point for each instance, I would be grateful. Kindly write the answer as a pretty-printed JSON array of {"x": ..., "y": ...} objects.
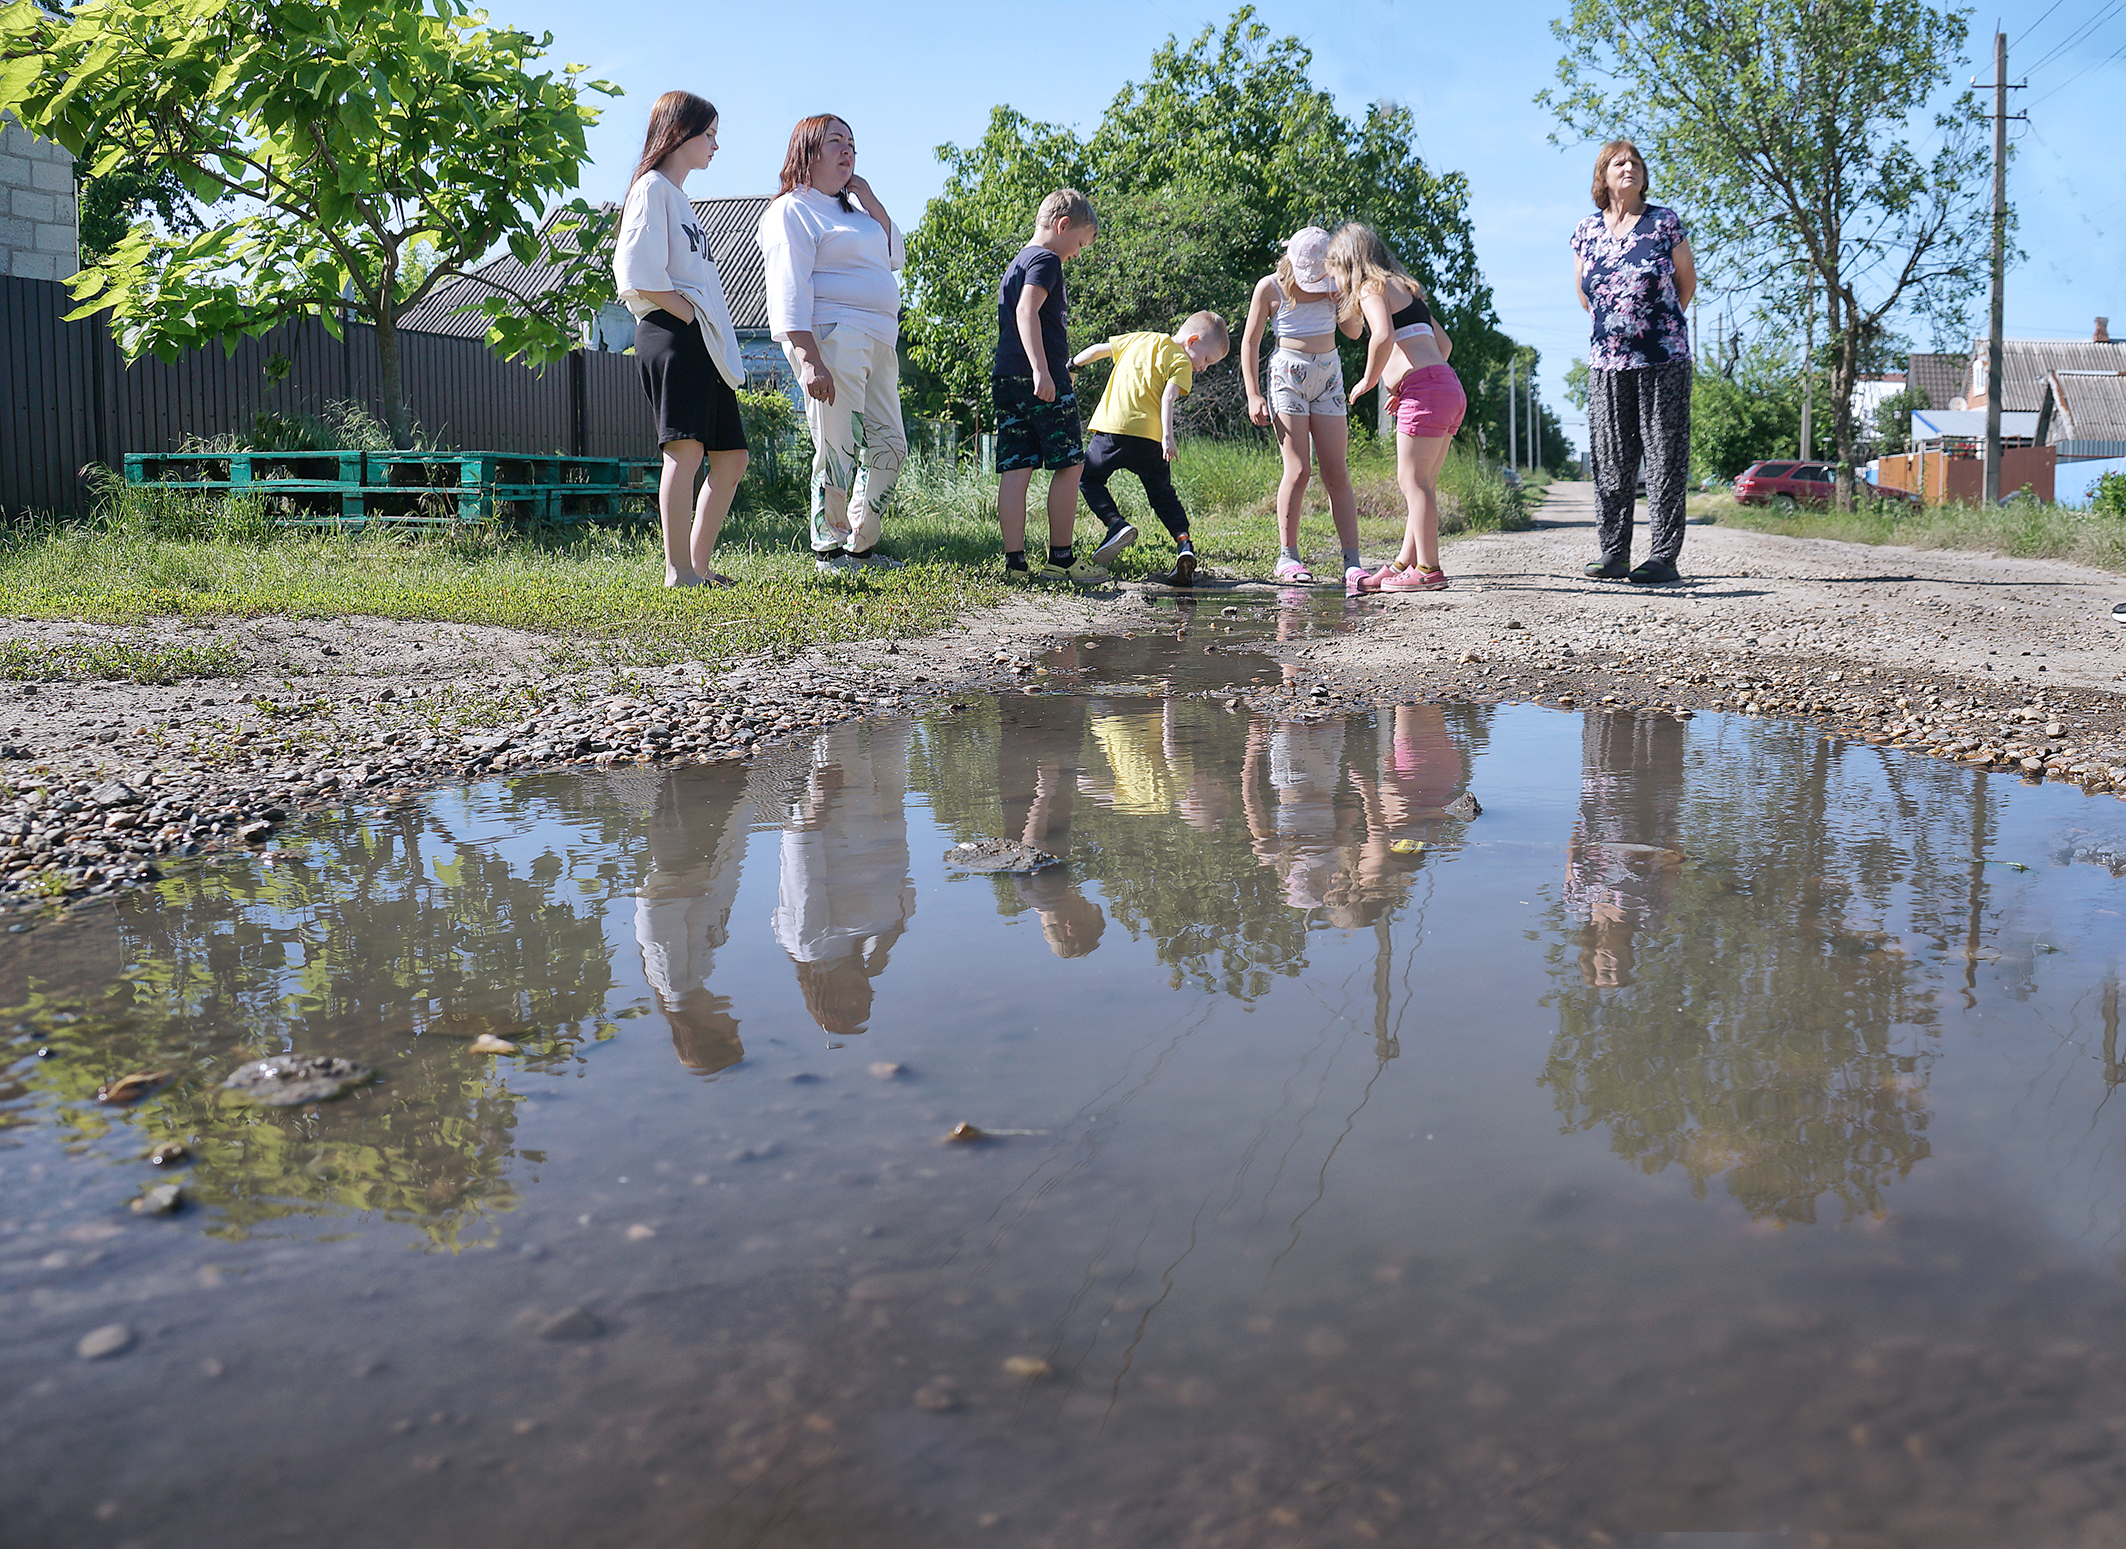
[{"x": 350, "y": 488}]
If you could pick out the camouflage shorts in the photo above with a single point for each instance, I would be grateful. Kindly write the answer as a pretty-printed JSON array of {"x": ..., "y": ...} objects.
[{"x": 1033, "y": 434}]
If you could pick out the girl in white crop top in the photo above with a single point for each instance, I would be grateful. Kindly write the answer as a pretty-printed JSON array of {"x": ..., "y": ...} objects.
[{"x": 1305, "y": 400}]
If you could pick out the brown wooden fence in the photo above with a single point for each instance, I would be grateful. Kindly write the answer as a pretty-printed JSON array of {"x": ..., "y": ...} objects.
[{"x": 68, "y": 401}]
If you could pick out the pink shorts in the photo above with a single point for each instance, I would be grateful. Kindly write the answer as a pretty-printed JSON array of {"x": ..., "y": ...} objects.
[{"x": 1429, "y": 402}]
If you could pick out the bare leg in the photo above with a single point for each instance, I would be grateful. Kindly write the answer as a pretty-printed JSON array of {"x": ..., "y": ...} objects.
[
  {"x": 1294, "y": 443},
  {"x": 1332, "y": 442},
  {"x": 1011, "y": 506},
  {"x": 725, "y": 470},
  {"x": 1417, "y": 464},
  {"x": 675, "y": 506},
  {"x": 1063, "y": 504}
]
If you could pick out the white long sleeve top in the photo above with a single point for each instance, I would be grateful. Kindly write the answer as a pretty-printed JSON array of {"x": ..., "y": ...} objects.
[
  {"x": 830, "y": 265},
  {"x": 662, "y": 247}
]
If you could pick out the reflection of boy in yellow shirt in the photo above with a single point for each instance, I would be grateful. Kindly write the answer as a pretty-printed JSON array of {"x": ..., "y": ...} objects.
[{"x": 1133, "y": 429}]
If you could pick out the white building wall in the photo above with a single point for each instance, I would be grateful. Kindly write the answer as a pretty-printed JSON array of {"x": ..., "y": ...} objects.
[{"x": 40, "y": 224}]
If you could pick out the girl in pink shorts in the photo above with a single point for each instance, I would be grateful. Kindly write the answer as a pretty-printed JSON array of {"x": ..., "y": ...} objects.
[{"x": 1406, "y": 352}]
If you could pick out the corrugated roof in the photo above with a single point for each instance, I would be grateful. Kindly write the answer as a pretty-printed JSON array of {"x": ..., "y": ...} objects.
[
  {"x": 2088, "y": 408},
  {"x": 2024, "y": 363},
  {"x": 1941, "y": 375},
  {"x": 729, "y": 223}
]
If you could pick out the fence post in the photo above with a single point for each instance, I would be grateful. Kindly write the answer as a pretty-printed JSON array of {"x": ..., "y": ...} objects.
[{"x": 579, "y": 435}]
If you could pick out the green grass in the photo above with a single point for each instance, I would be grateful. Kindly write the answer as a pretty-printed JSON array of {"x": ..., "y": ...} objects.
[
  {"x": 162, "y": 554},
  {"x": 116, "y": 659},
  {"x": 2024, "y": 529}
]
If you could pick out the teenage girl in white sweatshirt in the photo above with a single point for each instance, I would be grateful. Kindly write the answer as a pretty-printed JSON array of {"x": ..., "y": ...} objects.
[{"x": 685, "y": 343}]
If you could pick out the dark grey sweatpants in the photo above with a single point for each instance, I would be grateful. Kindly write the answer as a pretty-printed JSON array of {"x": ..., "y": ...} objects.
[{"x": 1630, "y": 415}]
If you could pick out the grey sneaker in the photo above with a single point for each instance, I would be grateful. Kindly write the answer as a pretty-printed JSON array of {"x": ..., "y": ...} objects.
[
  {"x": 872, "y": 559},
  {"x": 833, "y": 561},
  {"x": 1119, "y": 537}
]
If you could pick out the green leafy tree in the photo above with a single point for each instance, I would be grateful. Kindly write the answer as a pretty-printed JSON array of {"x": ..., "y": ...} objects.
[
  {"x": 1893, "y": 420},
  {"x": 368, "y": 158},
  {"x": 1750, "y": 411},
  {"x": 1198, "y": 172},
  {"x": 1793, "y": 134}
]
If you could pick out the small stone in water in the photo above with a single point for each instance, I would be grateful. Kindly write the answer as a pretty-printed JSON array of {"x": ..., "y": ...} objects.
[
  {"x": 576, "y": 1323},
  {"x": 936, "y": 1398},
  {"x": 287, "y": 1079},
  {"x": 166, "y": 1153},
  {"x": 111, "y": 1339},
  {"x": 640, "y": 1233},
  {"x": 488, "y": 1043},
  {"x": 966, "y": 1133},
  {"x": 888, "y": 1070},
  {"x": 131, "y": 1089},
  {"x": 161, "y": 1200},
  {"x": 1029, "y": 1367}
]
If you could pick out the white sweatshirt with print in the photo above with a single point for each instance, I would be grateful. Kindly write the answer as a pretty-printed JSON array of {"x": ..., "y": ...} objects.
[{"x": 662, "y": 247}]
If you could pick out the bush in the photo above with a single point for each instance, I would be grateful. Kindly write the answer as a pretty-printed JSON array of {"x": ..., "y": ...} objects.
[{"x": 2109, "y": 496}]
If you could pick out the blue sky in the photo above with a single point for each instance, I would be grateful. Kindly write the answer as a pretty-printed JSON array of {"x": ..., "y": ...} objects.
[{"x": 909, "y": 80}]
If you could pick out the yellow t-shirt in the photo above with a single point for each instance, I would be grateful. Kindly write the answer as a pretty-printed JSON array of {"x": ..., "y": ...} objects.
[{"x": 1144, "y": 364}]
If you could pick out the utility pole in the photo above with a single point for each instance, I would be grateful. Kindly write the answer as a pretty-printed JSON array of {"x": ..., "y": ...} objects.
[
  {"x": 1535, "y": 425},
  {"x": 1808, "y": 370},
  {"x": 1513, "y": 430},
  {"x": 2000, "y": 253}
]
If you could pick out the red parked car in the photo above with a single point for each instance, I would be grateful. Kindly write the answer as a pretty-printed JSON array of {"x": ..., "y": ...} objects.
[{"x": 1785, "y": 485}]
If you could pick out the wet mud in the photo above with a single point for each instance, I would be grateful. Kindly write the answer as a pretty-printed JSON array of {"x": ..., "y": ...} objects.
[{"x": 1713, "y": 1133}]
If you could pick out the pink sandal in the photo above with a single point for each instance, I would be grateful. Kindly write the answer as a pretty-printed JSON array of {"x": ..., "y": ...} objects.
[
  {"x": 1291, "y": 570},
  {"x": 1414, "y": 580}
]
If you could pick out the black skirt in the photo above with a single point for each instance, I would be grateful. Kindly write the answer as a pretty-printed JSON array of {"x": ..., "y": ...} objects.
[{"x": 688, "y": 395}]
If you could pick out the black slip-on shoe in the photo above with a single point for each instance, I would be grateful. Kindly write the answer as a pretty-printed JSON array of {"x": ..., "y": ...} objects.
[
  {"x": 1653, "y": 572},
  {"x": 1183, "y": 574},
  {"x": 1119, "y": 537},
  {"x": 1608, "y": 569}
]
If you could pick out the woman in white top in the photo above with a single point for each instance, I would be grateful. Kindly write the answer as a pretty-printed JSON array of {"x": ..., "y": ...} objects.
[
  {"x": 834, "y": 306},
  {"x": 1306, "y": 396},
  {"x": 685, "y": 344}
]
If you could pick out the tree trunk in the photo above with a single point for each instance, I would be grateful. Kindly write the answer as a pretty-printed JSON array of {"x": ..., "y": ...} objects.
[
  {"x": 1845, "y": 365},
  {"x": 396, "y": 419}
]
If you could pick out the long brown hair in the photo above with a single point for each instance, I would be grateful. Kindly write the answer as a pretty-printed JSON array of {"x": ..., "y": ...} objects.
[
  {"x": 807, "y": 142},
  {"x": 1364, "y": 266},
  {"x": 675, "y": 118},
  {"x": 1604, "y": 157}
]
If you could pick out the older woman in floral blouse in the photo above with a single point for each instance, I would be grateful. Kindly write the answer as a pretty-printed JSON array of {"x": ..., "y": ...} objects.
[{"x": 1633, "y": 272}]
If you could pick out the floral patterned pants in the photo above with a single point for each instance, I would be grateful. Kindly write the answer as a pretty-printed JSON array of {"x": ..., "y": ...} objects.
[{"x": 1633, "y": 416}]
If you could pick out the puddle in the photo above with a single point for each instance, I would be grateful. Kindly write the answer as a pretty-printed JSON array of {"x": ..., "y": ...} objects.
[{"x": 1706, "y": 1140}]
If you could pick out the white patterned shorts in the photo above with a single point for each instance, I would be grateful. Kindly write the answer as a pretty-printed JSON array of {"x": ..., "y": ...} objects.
[{"x": 1307, "y": 384}]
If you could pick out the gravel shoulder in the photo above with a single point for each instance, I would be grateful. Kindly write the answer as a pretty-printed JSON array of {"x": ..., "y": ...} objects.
[{"x": 2000, "y": 663}]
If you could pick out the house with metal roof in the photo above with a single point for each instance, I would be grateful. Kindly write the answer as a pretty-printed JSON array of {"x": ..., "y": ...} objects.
[
  {"x": 2088, "y": 413},
  {"x": 730, "y": 225},
  {"x": 1939, "y": 376}
]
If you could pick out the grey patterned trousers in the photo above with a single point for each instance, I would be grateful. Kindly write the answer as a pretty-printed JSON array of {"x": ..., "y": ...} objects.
[{"x": 1633, "y": 415}]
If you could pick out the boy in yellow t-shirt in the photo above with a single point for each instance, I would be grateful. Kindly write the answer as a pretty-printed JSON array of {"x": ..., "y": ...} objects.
[{"x": 1133, "y": 429}]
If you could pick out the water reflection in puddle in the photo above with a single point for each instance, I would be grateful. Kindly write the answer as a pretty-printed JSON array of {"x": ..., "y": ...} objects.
[{"x": 1701, "y": 1140}]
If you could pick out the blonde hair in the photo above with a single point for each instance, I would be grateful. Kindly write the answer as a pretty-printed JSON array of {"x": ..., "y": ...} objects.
[
  {"x": 1363, "y": 267},
  {"x": 1211, "y": 328},
  {"x": 1065, "y": 204},
  {"x": 1604, "y": 157}
]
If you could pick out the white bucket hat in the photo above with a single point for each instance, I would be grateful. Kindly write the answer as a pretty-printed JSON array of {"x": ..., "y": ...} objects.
[{"x": 1308, "y": 249}]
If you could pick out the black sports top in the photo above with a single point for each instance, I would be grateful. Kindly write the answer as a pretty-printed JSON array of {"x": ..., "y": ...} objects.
[{"x": 1412, "y": 319}]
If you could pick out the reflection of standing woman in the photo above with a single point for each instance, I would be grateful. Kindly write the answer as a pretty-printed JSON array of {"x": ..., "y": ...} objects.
[
  {"x": 1633, "y": 272},
  {"x": 684, "y": 341},
  {"x": 831, "y": 250}
]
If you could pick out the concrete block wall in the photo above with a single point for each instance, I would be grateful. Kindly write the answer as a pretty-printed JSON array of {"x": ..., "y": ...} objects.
[{"x": 40, "y": 224}]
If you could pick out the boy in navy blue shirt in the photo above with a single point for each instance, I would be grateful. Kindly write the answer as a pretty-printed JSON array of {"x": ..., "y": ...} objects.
[{"x": 1037, "y": 413}]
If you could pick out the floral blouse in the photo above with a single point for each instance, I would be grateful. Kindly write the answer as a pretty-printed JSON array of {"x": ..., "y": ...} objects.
[{"x": 1630, "y": 281}]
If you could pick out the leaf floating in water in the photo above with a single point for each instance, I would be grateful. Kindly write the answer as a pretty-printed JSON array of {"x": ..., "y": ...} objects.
[
  {"x": 488, "y": 1043},
  {"x": 1408, "y": 846},
  {"x": 287, "y": 1079},
  {"x": 966, "y": 1134},
  {"x": 131, "y": 1089},
  {"x": 2011, "y": 865}
]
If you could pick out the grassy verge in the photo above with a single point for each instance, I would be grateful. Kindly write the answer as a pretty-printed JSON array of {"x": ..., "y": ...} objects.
[
  {"x": 143, "y": 663},
  {"x": 2026, "y": 530},
  {"x": 161, "y": 555}
]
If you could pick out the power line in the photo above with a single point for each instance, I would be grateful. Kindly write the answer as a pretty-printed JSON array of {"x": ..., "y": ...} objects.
[
  {"x": 2081, "y": 32},
  {"x": 2121, "y": 54},
  {"x": 2056, "y": 4}
]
